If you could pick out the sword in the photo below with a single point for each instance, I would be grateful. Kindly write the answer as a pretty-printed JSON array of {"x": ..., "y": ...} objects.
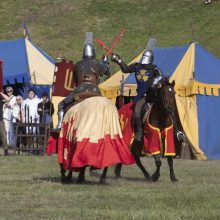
[
  {"x": 102, "y": 44},
  {"x": 109, "y": 51},
  {"x": 116, "y": 42}
]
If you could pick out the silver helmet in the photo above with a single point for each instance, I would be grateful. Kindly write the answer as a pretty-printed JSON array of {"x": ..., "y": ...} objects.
[
  {"x": 147, "y": 57},
  {"x": 88, "y": 51}
]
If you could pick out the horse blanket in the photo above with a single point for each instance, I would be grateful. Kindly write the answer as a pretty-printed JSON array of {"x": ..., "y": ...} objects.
[
  {"x": 91, "y": 135},
  {"x": 153, "y": 140},
  {"x": 152, "y": 135}
]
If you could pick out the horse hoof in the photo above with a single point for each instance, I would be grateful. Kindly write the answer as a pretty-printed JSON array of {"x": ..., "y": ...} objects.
[
  {"x": 174, "y": 179},
  {"x": 155, "y": 178},
  {"x": 80, "y": 180},
  {"x": 148, "y": 178},
  {"x": 102, "y": 181},
  {"x": 117, "y": 176},
  {"x": 65, "y": 180},
  {"x": 69, "y": 176}
]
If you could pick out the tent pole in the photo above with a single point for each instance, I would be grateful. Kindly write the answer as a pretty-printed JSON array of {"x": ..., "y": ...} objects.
[{"x": 192, "y": 31}]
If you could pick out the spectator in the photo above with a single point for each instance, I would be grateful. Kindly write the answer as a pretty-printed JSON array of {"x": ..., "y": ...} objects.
[
  {"x": 18, "y": 114},
  {"x": 30, "y": 107},
  {"x": 3, "y": 138},
  {"x": 10, "y": 100},
  {"x": 45, "y": 109},
  {"x": 207, "y": 2}
]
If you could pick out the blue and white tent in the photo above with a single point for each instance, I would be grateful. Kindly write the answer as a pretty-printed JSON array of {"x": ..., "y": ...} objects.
[{"x": 23, "y": 62}]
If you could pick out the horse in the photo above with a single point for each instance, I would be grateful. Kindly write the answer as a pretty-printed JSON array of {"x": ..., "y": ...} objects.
[
  {"x": 91, "y": 136},
  {"x": 159, "y": 119},
  {"x": 88, "y": 127}
]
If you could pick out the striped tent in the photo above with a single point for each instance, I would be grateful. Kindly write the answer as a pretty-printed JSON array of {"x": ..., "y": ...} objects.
[{"x": 23, "y": 62}]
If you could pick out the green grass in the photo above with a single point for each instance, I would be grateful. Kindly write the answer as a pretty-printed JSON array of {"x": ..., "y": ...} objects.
[
  {"x": 59, "y": 26},
  {"x": 29, "y": 185},
  {"x": 30, "y": 189}
]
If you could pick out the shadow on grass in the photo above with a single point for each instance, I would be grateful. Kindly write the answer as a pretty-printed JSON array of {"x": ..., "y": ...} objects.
[
  {"x": 56, "y": 179},
  {"x": 132, "y": 179}
]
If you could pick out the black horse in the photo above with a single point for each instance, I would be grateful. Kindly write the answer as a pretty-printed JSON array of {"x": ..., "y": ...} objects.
[
  {"x": 159, "y": 113},
  {"x": 67, "y": 178}
]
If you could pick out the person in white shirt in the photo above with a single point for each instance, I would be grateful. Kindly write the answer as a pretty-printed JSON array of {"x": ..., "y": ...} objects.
[
  {"x": 30, "y": 106},
  {"x": 18, "y": 114},
  {"x": 10, "y": 100},
  {"x": 207, "y": 2}
]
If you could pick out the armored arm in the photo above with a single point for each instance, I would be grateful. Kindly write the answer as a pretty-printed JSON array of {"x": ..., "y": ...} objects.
[
  {"x": 60, "y": 119},
  {"x": 104, "y": 66},
  {"x": 124, "y": 67},
  {"x": 157, "y": 71},
  {"x": 62, "y": 106}
]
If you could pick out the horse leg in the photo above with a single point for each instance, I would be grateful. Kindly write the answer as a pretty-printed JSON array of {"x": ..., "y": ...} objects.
[
  {"x": 172, "y": 174},
  {"x": 158, "y": 163},
  {"x": 118, "y": 170},
  {"x": 65, "y": 179},
  {"x": 135, "y": 152},
  {"x": 103, "y": 176},
  {"x": 62, "y": 172},
  {"x": 69, "y": 176},
  {"x": 81, "y": 177}
]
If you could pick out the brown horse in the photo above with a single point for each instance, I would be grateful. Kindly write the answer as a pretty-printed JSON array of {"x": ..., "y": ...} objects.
[{"x": 158, "y": 120}]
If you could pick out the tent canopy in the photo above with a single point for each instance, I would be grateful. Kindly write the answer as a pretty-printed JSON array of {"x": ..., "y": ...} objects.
[{"x": 24, "y": 63}]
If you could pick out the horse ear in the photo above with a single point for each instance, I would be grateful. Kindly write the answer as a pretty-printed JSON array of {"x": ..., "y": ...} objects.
[{"x": 173, "y": 83}]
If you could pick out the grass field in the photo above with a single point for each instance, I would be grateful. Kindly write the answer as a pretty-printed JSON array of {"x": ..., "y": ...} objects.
[
  {"x": 58, "y": 26},
  {"x": 30, "y": 189}
]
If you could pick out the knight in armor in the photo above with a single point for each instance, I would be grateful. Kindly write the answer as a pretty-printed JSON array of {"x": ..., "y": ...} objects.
[
  {"x": 147, "y": 75},
  {"x": 87, "y": 73},
  {"x": 90, "y": 132}
]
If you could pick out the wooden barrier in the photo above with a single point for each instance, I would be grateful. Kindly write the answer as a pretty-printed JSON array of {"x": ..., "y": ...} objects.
[{"x": 31, "y": 138}]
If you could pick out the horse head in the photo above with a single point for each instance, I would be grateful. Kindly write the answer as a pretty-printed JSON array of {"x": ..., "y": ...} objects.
[
  {"x": 163, "y": 94},
  {"x": 168, "y": 96}
]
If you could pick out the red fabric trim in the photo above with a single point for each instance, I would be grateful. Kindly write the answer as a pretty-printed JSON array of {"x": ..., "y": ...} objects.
[
  {"x": 51, "y": 146},
  {"x": 169, "y": 142},
  {"x": 108, "y": 151},
  {"x": 152, "y": 141},
  {"x": 125, "y": 121}
]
